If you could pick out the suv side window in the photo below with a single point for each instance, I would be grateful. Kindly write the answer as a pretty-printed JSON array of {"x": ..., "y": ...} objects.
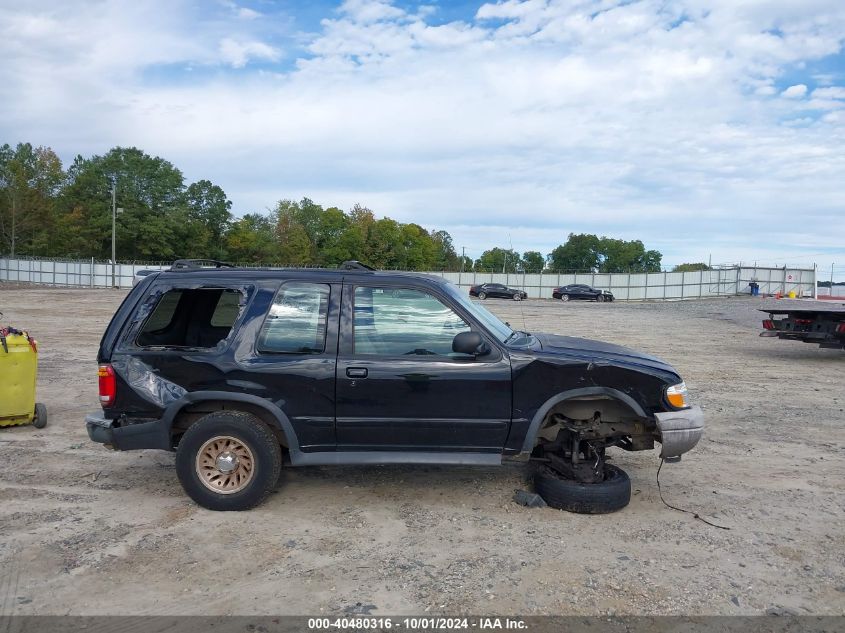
[
  {"x": 191, "y": 317},
  {"x": 296, "y": 323},
  {"x": 403, "y": 322}
]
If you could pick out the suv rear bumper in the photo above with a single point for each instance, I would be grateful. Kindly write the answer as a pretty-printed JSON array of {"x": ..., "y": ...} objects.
[
  {"x": 150, "y": 434},
  {"x": 679, "y": 430},
  {"x": 99, "y": 428}
]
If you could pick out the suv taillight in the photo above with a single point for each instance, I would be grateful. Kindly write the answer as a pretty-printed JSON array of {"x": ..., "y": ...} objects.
[{"x": 108, "y": 385}]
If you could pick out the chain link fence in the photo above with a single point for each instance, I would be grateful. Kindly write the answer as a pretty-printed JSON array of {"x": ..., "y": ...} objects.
[{"x": 833, "y": 278}]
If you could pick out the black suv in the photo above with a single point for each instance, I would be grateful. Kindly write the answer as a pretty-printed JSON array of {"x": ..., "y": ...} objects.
[{"x": 237, "y": 369}]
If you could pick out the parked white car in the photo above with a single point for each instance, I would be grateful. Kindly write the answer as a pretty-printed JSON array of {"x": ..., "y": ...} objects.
[{"x": 140, "y": 274}]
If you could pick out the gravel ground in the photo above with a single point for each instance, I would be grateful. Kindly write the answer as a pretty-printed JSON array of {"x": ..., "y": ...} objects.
[{"x": 88, "y": 531}]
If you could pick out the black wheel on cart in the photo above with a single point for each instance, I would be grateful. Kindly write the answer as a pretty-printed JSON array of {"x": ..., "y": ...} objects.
[{"x": 39, "y": 420}]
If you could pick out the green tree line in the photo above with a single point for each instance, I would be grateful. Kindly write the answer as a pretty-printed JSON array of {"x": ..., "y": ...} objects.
[{"x": 47, "y": 210}]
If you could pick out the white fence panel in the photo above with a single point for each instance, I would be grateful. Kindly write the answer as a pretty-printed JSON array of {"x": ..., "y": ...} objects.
[{"x": 624, "y": 286}]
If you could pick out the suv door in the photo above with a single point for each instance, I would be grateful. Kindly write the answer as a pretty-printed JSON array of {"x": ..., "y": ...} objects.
[
  {"x": 289, "y": 354},
  {"x": 399, "y": 385}
]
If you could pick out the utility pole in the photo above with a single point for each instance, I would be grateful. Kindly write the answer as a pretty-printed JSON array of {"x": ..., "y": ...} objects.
[
  {"x": 113, "y": 228},
  {"x": 14, "y": 218}
]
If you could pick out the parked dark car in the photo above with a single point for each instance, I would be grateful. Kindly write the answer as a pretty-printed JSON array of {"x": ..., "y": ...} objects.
[
  {"x": 240, "y": 370},
  {"x": 497, "y": 291},
  {"x": 581, "y": 292}
]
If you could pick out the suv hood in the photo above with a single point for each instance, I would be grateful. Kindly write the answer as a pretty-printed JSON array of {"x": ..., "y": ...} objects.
[{"x": 597, "y": 351}]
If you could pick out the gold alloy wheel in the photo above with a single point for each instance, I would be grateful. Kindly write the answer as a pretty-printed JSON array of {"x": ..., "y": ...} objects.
[{"x": 225, "y": 465}]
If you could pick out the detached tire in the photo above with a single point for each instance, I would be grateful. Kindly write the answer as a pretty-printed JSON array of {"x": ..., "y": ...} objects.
[
  {"x": 39, "y": 420},
  {"x": 613, "y": 494},
  {"x": 228, "y": 460}
]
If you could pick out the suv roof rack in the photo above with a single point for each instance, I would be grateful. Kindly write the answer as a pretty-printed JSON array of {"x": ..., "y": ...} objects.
[
  {"x": 194, "y": 264},
  {"x": 354, "y": 264}
]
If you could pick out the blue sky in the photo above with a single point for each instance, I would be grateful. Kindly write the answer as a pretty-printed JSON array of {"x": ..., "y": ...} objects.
[{"x": 706, "y": 128}]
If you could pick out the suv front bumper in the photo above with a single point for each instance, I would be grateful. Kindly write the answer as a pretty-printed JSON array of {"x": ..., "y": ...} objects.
[
  {"x": 679, "y": 430},
  {"x": 149, "y": 434}
]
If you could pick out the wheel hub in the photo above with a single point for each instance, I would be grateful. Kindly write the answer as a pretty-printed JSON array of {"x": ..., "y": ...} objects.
[{"x": 227, "y": 462}]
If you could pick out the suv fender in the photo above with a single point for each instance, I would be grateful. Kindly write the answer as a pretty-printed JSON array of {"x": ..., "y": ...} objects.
[
  {"x": 282, "y": 422},
  {"x": 540, "y": 415}
]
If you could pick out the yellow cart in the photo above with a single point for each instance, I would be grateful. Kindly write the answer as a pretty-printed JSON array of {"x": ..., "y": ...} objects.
[{"x": 18, "y": 371}]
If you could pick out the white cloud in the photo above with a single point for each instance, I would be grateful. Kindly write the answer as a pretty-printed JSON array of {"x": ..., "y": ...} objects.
[
  {"x": 823, "y": 104},
  {"x": 244, "y": 13},
  {"x": 367, "y": 11},
  {"x": 248, "y": 14},
  {"x": 795, "y": 92},
  {"x": 636, "y": 119},
  {"x": 238, "y": 54},
  {"x": 832, "y": 92},
  {"x": 511, "y": 9}
]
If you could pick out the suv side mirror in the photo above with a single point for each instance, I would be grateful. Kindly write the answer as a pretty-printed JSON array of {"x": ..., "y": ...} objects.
[{"x": 469, "y": 343}]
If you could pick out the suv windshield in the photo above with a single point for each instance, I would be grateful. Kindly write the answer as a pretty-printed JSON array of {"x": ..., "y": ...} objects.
[{"x": 490, "y": 321}]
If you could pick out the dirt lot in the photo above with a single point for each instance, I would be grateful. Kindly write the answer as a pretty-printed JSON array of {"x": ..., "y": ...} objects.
[{"x": 88, "y": 531}]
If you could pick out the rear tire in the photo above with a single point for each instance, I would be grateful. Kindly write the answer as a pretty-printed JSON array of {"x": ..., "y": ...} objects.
[
  {"x": 564, "y": 297},
  {"x": 610, "y": 495},
  {"x": 39, "y": 420},
  {"x": 228, "y": 460},
  {"x": 482, "y": 295}
]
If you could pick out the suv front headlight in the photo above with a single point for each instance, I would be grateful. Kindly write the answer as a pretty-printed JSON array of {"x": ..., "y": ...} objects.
[{"x": 676, "y": 396}]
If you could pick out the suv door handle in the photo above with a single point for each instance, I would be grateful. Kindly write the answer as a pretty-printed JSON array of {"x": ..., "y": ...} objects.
[{"x": 356, "y": 372}]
